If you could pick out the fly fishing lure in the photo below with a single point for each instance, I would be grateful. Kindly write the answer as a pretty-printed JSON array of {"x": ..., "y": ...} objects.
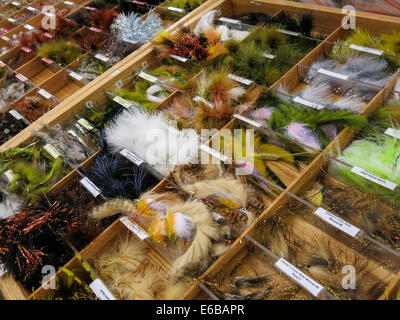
[
  {"x": 61, "y": 51},
  {"x": 9, "y": 126},
  {"x": 90, "y": 67},
  {"x": 33, "y": 107}
]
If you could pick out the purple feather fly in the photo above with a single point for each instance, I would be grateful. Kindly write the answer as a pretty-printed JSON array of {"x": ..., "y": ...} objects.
[
  {"x": 263, "y": 113},
  {"x": 300, "y": 133}
]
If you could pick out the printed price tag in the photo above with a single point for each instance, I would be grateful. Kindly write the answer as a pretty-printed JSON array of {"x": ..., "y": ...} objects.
[
  {"x": 122, "y": 102},
  {"x": 131, "y": 157},
  {"x": 269, "y": 56},
  {"x": 393, "y": 133},
  {"x": 337, "y": 222},
  {"x": 47, "y": 60},
  {"x": 3, "y": 270},
  {"x": 100, "y": 290},
  {"x": 147, "y": 77},
  {"x": 10, "y": 176},
  {"x": 374, "y": 178},
  {"x": 12, "y": 20},
  {"x": 45, "y": 94},
  {"x": 249, "y": 121},
  {"x": 90, "y": 186},
  {"x": 26, "y": 49},
  {"x": 176, "y": 9},
  {"x": 95, "y": 29},
  {"x": 367, "y": 50},
  {"x": 51, "y": 150},
  {"x": 245, "y": 81},
  {"x": 15, "y": 114},
  {"x": 308, "y": 103},
  {"x": 198, "y": 98},
  {"x": 90, "y": 8},
  {"x": 76, "y": 76},
  {"x": 139, "y": 2},
  {"x": 70, "y": 3},
  {"x": 228, "y": 20},
  {"x": 21, "y": 77},
  {"x": 31, "y": 9},
  {"x": 215, "y": 153},
  {"x": 86, "y": 124},
  {"x": 333, "y": 74},
  {"x": 181, "y": 59},
  {"x": 5, "y": 38},
  {"x": 296, "y": 275},
  {"x": 101, "y": 57},
  {"x": 290, "y": 33},
  {"x": 29, "y": 27},
  {"x": 134, "y": 228}
]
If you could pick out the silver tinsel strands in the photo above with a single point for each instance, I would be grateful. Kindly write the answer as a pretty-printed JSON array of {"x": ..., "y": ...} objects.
[{"x": 132, "y": 28}]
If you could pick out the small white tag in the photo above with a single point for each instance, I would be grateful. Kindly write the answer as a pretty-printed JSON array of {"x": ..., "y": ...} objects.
[
  {"x": 100, "y": 290},
  {"x": 131, "y": 157},
  {"x": 29, "y": 27},
  {"x": 75, "y": 76},
  {"x": 176, "y": 9},
  {"x": 12, "y": 20},
  {"x": 367, "y": 50},
  {"x": 308, "y": 103},
  {"x": 296, "y": 275},
  {"x": 337, "y": 222},
  {"x": 122, "y": 102},
  {"x": 3, "y": 270},
  {"x": 269, "y": 56},
  {"x": 249, "y": 121},
  {"x": 181, "y": 59},
  {"x": 31, "y": 9},
  {"x": 15, "y": 114},
  {"x": 245, "y": 81},
  {"x": 147, "y": 76},
  {"x": 86, "y": 124},
  {"x": 102, "y": 57},
  {"x": 70, "y": 3},
  {"x": 9, "y": 175},
  {"x": 393, "y": 133},
  {"x": 198, "y": 98},
  {"x": 374, "y": 178},
  {"x": 15, "y": 3},
  {"x": 90, "y": 186},
  {"x": 115, "y": 73},
  {"x": 333, "y": 74},
  {"x": 52, "y": 151},
  {"x": 228, "y": 20},
  {"x": 215, "y": 153},
  {"x": 45, "y": 94},
  {"x": 291, "y": 33},
  {"x": 134, "y": 228}
]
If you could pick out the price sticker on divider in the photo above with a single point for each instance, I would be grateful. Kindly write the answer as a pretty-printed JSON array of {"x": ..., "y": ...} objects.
[
  {"x": 269, "y": 56},
  {"x": 12, "y": 20},
  {"x": 45, "y": 94},
  {"x": 16, "y": 114},
  {"x": 97, "y": 30},
  {"x": 48, "y": 35},
  {"x": 374, "y": 178},
  {"x": 115, "y": 73},
  {"x": 333, "y": 74},
  {"x": 134, "y": 228},
  {"x": 5, "y": 38},
  {"x": 70, "y": 3},
  {"x": 102, "y": 57},
  {"x": 308, "y": 103},
  {"x": 3, "y": 270},
  {"x": 90, "y": 186},
  {"x": 147, "y": 77},
  {"x": 131, "y": 157},
  {"x": 9, "y": 175},
  {"x": 298, "y": 276},
  {"x": 90, "y": 8},
  {"x": 14, "y": 3},
  {"x": 176, "y": 9},
  {"x": 290, "y": 33},
  {"x": 47, "y": 60},
  {"x": 201, "y": 99},
  {"x": 89, "y": 104},
  {"x": 51, "y": 150},
  {"x": 31, "y": 9},
  {"x": 26, "y": 49},
  {"x": 100, "y": 290},
  {"x": 123, "y": 102},
  {"x": 247, "y": 120},
  {"x": 86, "y": 124},
  {"x": 228, "y": 20},
  {"x": 244, "y": 81},
  {"x": 2, "y": 64},
  {"x": 367, "y": 50},
  {"x": 178, "y": 58},
  {"x": 21, "y": 77},
  {"x": 76, "y": 76},
  {"x": 337, "y": 222},
  {"x": 393, "y": 133},
  {"x": 28, "y": 26},
  {"x": 139, "y": 2}
]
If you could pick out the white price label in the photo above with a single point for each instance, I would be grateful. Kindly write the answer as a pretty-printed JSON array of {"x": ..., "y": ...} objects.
[
  {"x": 75, "y": 76},
  {"x": 102, "y": 57},
  {"x": 15, "y": 3},
  {"x": 249, "y": 121},
  {"x": 86, "y": 124},
  {"x": 290, "y": 33},
  {"x": 269, "y": 56},
  {"x": 122, "y": 102},
  {"x": 176, "y": 9},
  {"x": 215, "y": 153},
  {"x": 367, "y": 50},
  {"x": 31, "y": 9},
  {"x": 115, "y": 73},
  {"x": 29, "y": 27},
  {"x": 296, "y": 275},
  {"x": 374, "y": 178},
  {"x": 45, "y": 94},
  {"x": 200, "y": 99},
  {"x": 228, "y": 20},
  {"x": 333, "y": 74},
  {"x": 3, "y": 270},
  {"x": 15, "y": 114},
  {"x": 90, "y": 186},
  {"x": 245, "y": 81},
  {"x": 308, "y": 103},
  {"x": 393, "y": 133},
  {"x": 131, "y": 157},
  {"x": 337, "y": 222},
  {"x": 70, "y": 3},
  {"x": 181, "y": 59},
  {"x": 147, "y": 76},
  {"x": 100, "y": 290},
  {"x": 134, "y": 228},
  {"x": 51, "y": 150},
  {"x": 12, "y": 20}
]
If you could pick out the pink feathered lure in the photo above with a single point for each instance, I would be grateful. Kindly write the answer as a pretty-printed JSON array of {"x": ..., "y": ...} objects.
[{"x": 300, "y": 133}]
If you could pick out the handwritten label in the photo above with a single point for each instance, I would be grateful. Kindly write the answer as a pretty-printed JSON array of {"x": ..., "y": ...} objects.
[
  {"x": 249, "y": 121},
  {"x": 131, "y": 157},
  {"x": 51, "y": 150},
  {"x": 374, "y": 178},
  {"x": 290, "y": 33},
  {"x": 15, "y": 114},
  {"x": 393, "y": 133},
  {"x": 147, "y": 76},
  {"x": 90, "y": 186},
  {"x": 337, "y": 222},
  {"x": 367, "y": 50},
  {"x": 228, "y": 20},
  {"x": 333, "y": 74},
  {"x": 134, "y": 228},
  {"x": 176, "y": 9},
  {"x": 75, "y": 76},
  {"x": 296, "y": 275},
  {"x": 47, "y": 60},
  {"x": 102, "y": 57},
  {"x": 181, "y": 59},
  {"x": 198, "y": 98},
  {"x": 86, "y": 124},
  {"x": 100, "y": 290},
  {"x": 122, "y": 102},
  {"x": 45, "y": 94},
  {"x": 245, "y": 81},
  {"x": 308, "y": 103}
]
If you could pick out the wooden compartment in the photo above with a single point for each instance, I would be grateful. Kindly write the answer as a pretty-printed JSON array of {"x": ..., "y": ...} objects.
[
  {"x": 62, "y": 85},
  {"x": 39, "y": 70}
]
